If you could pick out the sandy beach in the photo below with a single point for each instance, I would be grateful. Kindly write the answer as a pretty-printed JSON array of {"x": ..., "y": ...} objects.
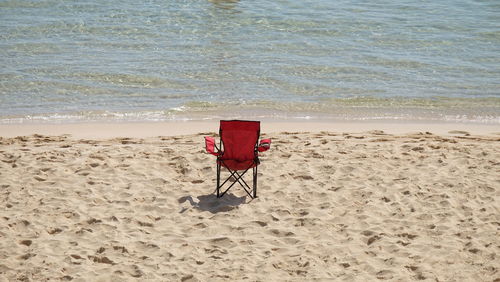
[{"x": 336, "y": 202}]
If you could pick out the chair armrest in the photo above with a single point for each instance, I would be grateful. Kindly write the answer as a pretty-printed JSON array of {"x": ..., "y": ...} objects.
[
  {"x": 264, "y": 145},
  {"x": 210, "y": 146}
]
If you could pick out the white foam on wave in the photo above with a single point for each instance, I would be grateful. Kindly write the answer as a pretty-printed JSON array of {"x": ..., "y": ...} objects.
[{"x": 184, "y": 113}]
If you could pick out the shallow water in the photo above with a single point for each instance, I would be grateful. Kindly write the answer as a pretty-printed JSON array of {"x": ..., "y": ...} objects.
[{"x": 164, "y": 60}]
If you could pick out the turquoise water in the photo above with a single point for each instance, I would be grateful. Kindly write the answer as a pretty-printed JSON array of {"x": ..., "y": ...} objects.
[{"x": 64, "y": 61}]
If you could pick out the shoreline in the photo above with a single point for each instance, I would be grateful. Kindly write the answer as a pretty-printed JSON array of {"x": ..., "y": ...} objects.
[{"x": 151, "y": 129}]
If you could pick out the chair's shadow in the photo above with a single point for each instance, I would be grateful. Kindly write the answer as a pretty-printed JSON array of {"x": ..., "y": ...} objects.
[{"x": 213, "y": 204}]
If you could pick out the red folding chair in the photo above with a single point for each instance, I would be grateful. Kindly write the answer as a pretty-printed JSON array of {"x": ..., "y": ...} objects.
[{"x": 238, "y": 152}]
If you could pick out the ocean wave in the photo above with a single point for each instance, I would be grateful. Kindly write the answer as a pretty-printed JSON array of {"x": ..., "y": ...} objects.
[{"x": 481, "y": 110}]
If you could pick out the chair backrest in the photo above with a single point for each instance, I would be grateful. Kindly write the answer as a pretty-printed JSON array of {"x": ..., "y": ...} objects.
[{"x": 239, "y": 139}]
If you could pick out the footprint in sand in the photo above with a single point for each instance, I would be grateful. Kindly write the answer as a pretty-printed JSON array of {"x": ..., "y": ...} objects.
[
  {"x": 372, "y": 239},
  {"x": 101, "y": 259},
  {"x": 260, "y": 223},
  {"x": 27, "y": 256},
  {"x": 53, "y": 231},
  {"x": 121, "y": 249},
  {"x": 40, "y": 178},
  {"x": 304, "y": 177},
  {"x": 385, "y": 274},
  {"x": 409, "y": 236},
  {"x": 135, "y": 271},
  {"x": 25, "y": 242},
  {"x": 460, "y": 132},
  {"x": 223, "y": 242},
  {"x": 93, "y": 220},
  {"x": 145, "y": 224}
]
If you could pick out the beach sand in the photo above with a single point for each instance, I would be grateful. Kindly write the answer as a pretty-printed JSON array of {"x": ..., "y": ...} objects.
[{"x": 338, "y": 204}]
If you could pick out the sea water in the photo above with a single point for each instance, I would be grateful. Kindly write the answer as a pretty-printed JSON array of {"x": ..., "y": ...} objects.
[{"x": 66, "y": 61}]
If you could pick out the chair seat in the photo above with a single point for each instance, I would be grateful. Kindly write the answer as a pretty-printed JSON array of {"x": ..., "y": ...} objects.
[{"x": 238, "y": 165}]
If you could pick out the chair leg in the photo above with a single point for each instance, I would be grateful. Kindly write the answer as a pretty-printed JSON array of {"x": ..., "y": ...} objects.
[
  {"x": 218, "y": 180},
  {"x": 255, "y": 182}
]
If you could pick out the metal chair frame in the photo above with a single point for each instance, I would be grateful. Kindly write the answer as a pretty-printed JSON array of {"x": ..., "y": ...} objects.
[{"x": 239, "y": 179}]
